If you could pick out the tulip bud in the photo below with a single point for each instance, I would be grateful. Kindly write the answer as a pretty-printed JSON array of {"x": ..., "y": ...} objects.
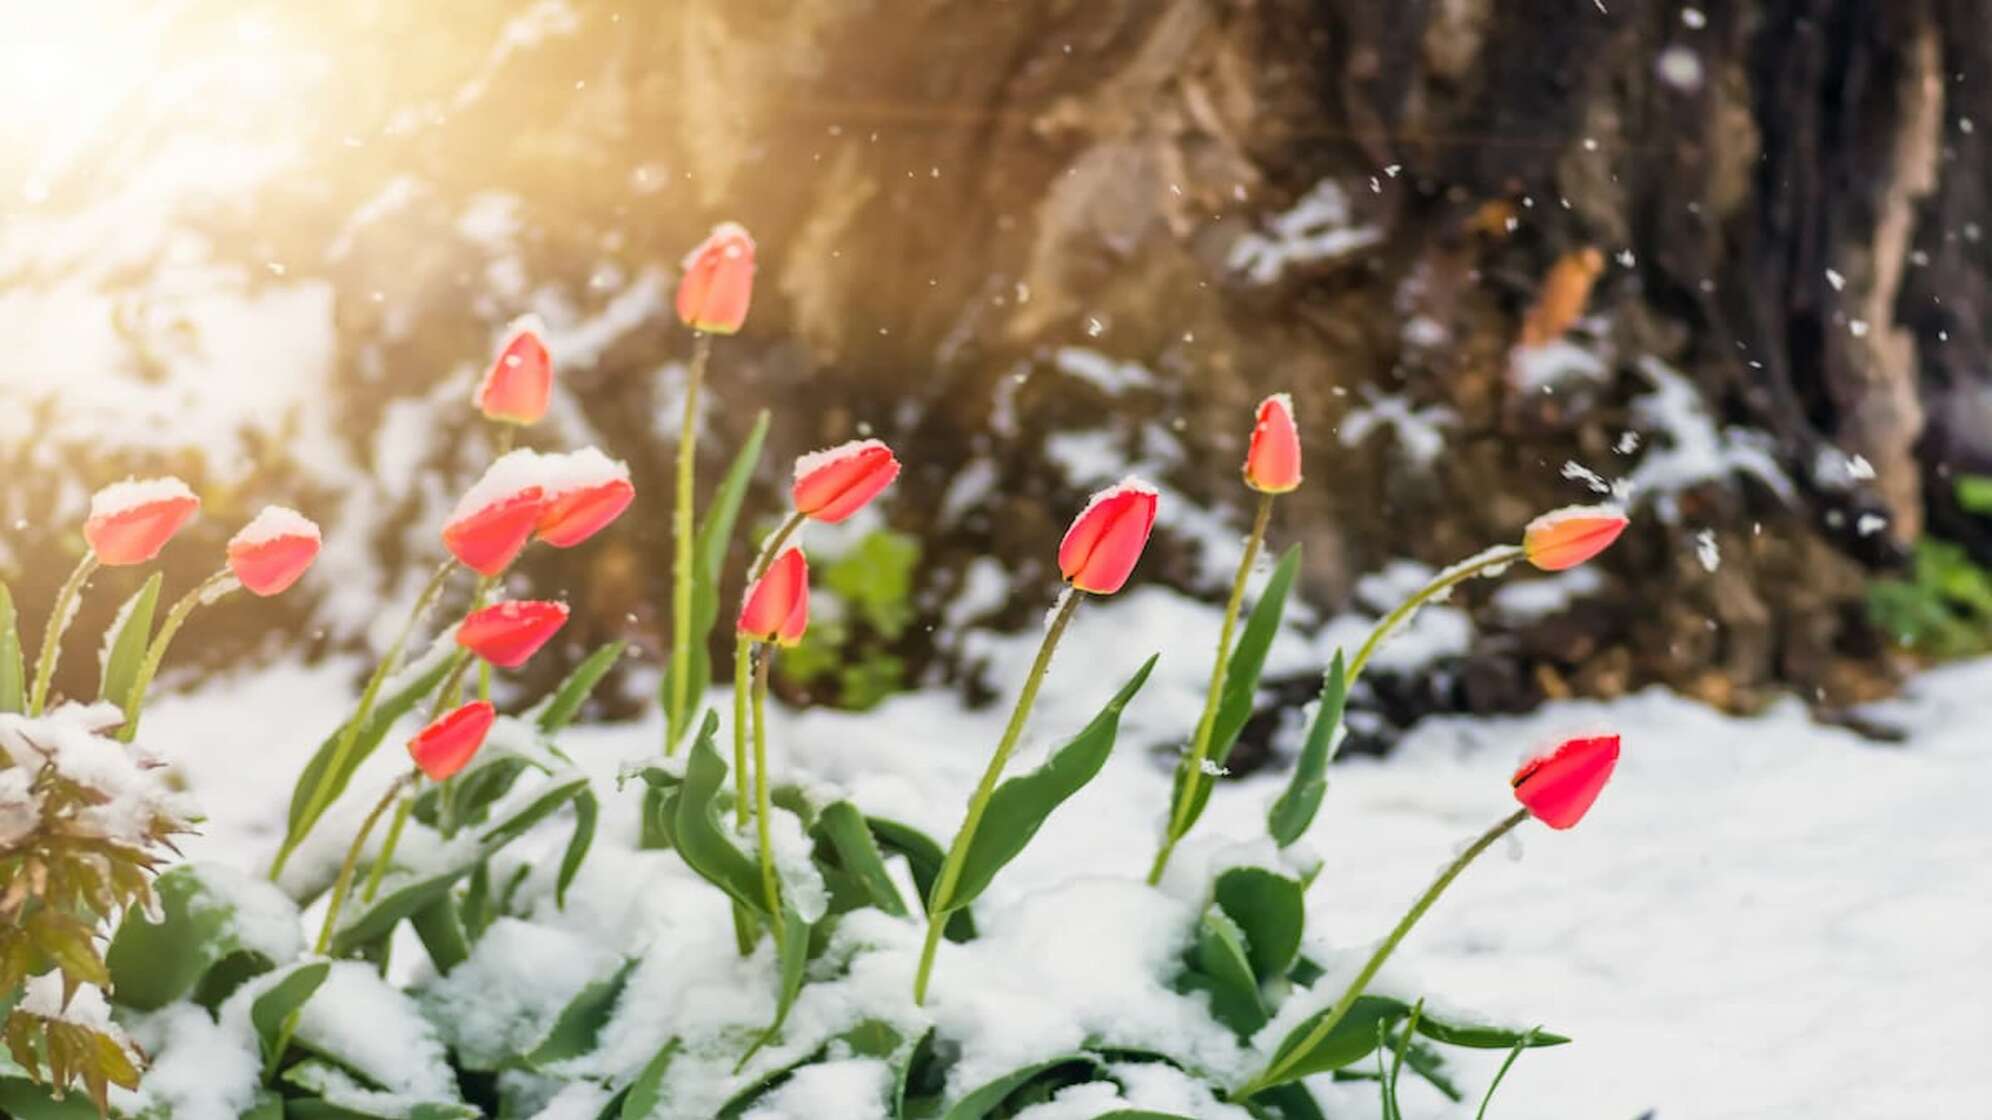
[
  {"x": 1272, "y": 462},
  {"x": 131, "y": 521},
  {"x": 448, "y": 744},
  {"x": 777, "y": 606},
  {"x": 1565, "y": 538},
  {"x": 1107, "y": 537},
  {"x": 585, "y": 491},
  {"x": 507, "y": 634},
  {"x": 273, "y": 550},
  {"x": 718, "y": 281},
  {"x": 516, "y": 387},
  {"x": 833, "y": 484},
  {"x": 1558, "y": 788},
  {"x": 496, "y": 517}
]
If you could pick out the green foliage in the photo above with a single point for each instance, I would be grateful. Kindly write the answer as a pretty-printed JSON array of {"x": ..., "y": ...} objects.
[
  {"x": 154, "y": 963},
  {"x": 847, "y": 650},
  {"x": 128, "y": 646},
  {"x": 1294, "y": 810},
  {"x": 13, "y": 673},
  {"x": 709, "y": 547},
  {"x": 1943, "y": 609}
]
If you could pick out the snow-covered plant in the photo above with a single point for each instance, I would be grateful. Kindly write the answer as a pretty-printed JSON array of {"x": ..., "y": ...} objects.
[{"x": 85, "y": 818}]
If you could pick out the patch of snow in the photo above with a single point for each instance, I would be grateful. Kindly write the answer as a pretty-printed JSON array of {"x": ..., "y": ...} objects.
[
  {"x": 1109, "y": 375},
  {"x": 1692, "y": 448},
  {"x": 1420, "y": 431},
  {"x": 133, "y": 493},
  {"x": 1529, "y": 600},
  {"x": 519, "y": 976},
  {"x": 811, "y": 462},
  {"x": 1319, "y": 227},
  {"x": 275, "y": 523}
]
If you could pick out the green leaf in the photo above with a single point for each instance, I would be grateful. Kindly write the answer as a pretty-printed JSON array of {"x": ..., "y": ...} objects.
[
  {"x": 274, "y": 1008},
  {"x": 342, "y": 1096},
  {"x": 151, "y": 965},
  {"x": 842, "y": 831},
  {"x": 12, "y": 669},
  {"x": 587, "y": 811},
  {"x": 390, "y": 707},
  {"x": 1021, "y": 804},
  {"x": 444, "y": 934},
  {"x": 127, "y": 649},
  {"x": 579, "y": 1025},
  {"x": 646, "y": 1093},
  {"x": 924, "y": 858},
  {"x": 564, "y": 703},
  {"x": 1974, "y": 493},
  {"x": 1353, "y": 1039},
  {"x": 1271, "y": 911},
  {"x": 985, "y": 1099},
  {"x": 1286, "y": 1102},
  {"x": 1294, "y": 810},
  {"x": 870, "y": 1038},
  {"x": 702, "y": 841},
  {"x": 27, "y": 1100},
  {"x": 1241, "y": 677},
  {"x": 1224, "y": 971},
  {"x": 708, "y": 563}
]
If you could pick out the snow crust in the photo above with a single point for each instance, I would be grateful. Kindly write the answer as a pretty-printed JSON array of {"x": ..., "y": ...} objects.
[
  {"x": 810, "y": 463},
  {"x": 132, "y": 493},
  {"x": 275, "y": 523}
]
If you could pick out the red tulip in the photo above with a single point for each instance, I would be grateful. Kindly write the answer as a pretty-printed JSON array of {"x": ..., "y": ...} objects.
[
  {"x": 516, "y": 387},
  {"x": 777, "y": 606},
  {"x": 833, "y": 484},
  {"x": 507, "y": 634},
  {"x": 1558, "y": 788},
  {"x": 1107, "y": 537},
  {"x": 496, "y": 517},
  {"x": 1272, "y": 462},
  {"x": 1565, "y": 538},
  {"x": 131, "y": 521},
  {"x": 448, "y": 744},
  {"x": 273, "y": 550},
  {"x": 586, "y": 490},
  {"x": 718, "y": 281}
]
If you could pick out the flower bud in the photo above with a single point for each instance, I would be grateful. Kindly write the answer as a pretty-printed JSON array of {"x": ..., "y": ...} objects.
[
  {"x": 1558, "y": 788},
  {"x": 585, "y": 491},
  {"x": 1272, "y": 462},
  {"x": 508, "y": 634},
  {"x": 273, "y": 550},
  {"x": 516, "y": 387},
  {"x": 1107, "y": 537},
  {"x": 1565, "y": 538},
  {"x": 448, "y": 744},
  {"x": 496, "y": 517},
  {"x": 131, "y": 521},
  {"x": 718, "y": 281},
  {"x": 777, "y": 606},
  {"x": 833, "y": 484}
]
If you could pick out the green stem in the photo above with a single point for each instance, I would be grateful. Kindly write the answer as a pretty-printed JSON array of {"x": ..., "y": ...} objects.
[
  {"x": 743, "y": 919},
  {"x": 1276, "y": 1072},
  {"x": 58, "y": 622},
  {"x": 449, "y": 694},
  {"x": 345, "y": 880},
  {"x": 769, "y": 883},
  {"x": 379, "y": 869},
  {"x": 681, "y": 538},
  {"x": 321, "y": 794},
  {"x": 1193, "y": 775},
  {"x": 156, "y": 652},
  {"x": 773, "y": 547},
  {"x": 501, "y": 446},
  {"x": 938, "y": 908},
  {"x": 1441, "y": 583}
]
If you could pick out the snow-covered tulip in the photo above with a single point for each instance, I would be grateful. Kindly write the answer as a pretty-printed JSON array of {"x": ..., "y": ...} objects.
[
  {"x": 1272, "y": 462},
  {"x": 448, "y": 744},
  {"x": 1105, "y": 540},
  {"x": 1557, "y": 788},
  {"x": 131, "y": 521},
  {"x": 719, "y": 281},
  {"x": 1567, "y": 537},
  {"x": 508, "y": 634},
  {"x": 273, "y": 550},
  {"x": 496, "y": 517},
  {"x": 516, "y": 388},
  {"x": 833, "y": 484},
  {"x": 777, "y": 606},
  {"x": 585, "y": 491}
]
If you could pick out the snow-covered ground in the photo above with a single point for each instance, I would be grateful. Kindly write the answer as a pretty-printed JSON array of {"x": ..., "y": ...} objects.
[{"x": 1762, "y": 918}]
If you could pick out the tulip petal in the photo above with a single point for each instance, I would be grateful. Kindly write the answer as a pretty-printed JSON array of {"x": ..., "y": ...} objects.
[
  {"x": 448, "y": 744},
  {"x": 833, "y": 484},
  {"x": 1100, "y": 549},
  {"x": 777, "y": 606},
  {"x": 508, "y": 634},
  {"x": 1559, "y": 787},
  {"x": 1567, "y": 537},
  {"x": 273, "y": 550},
  {"x": 131, "y": 521},
  {"x": 1272, "y": 461},
  {"x": 719, "y": 281},
  {"x": 516, "y": 388}
]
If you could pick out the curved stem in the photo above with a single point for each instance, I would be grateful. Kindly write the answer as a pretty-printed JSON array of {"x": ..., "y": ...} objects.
[
  {"x": 58, "y": 622},
  {"x": 1193, "y": 775},
  {"x": 156, "y": 652},
  {"x": 769, "y": 883},
  {"x": 321, "y": 794},
  {"x": 1445, "y": 581},
  {"x": 938, "y": 908},
  {"x": 681, "y": 538},
  {"x": 743, "y": 919},
  {"x": 501, "y": 447},
  {"x": 345, "y": 880},
  {"x": 1276, "y": 1072},
  {"x": 380, "y": 864},
  {"x": 773, "y": 545}
]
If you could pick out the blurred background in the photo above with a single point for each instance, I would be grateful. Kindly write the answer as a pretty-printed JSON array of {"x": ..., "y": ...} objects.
[{"x": 1724, "y": 261}]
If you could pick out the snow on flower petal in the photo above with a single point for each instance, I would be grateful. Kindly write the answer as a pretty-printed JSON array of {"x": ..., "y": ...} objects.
[
  {"x": 496, "y": 517},
  {"x": 447, "y": 745},
  {"x": 508, "y": 634},
  {"x": 1272, "y": 461},
  {"x": 1565, "y": 538},
  {"x": 1100, "y": 549},
  {"x": 586, "y": 490},
  {"x": 273, "y": 550},
  {"x": 1558, "y": 787},
  {"x": 516, "y": 388},
  {"x": 131, "y": 521},
  {"x": 832, "y": 484},
  {"x": 719, "y": 281}
]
